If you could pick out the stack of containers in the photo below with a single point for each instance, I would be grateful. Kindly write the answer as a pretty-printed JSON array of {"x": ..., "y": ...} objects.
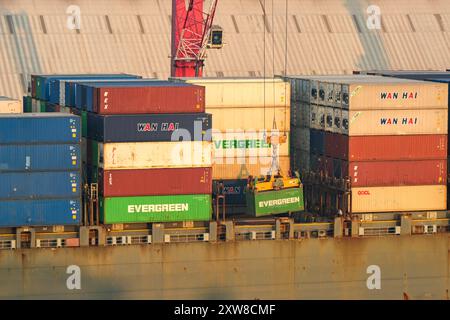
[
  {"x": 392, "y": 142},
  {"x": 40, "y": 163},
  {"x": 47, "y": 91},
  {"x": 434, "y": 76},
  {"x": 149, "y": 149},
  {"x": 243, "y": 110},
  {"x": 9, "y": 105}
]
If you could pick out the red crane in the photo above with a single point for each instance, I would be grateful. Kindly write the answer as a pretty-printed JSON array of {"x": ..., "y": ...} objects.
[{"x": 192, "y": 34}]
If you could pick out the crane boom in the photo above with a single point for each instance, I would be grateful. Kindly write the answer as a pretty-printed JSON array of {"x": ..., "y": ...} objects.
[{"x": 191, "y": 28}]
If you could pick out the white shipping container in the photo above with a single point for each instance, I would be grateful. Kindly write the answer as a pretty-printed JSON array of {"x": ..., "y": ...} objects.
[
  {"x": 244, "y": 92},
  {"x": 247, "y": 143},
  {"x": 8, "y": 105},
  {"x": 321, "y": 113},
  {"x": 397, "y": 122},
  {"x": 315, "y": 117},
  {"x": 146, "y": 155},
  {"x": 395, "y": 199},
  {"x": 250, "y": 118},
  {"x": 345, "y": 122}
]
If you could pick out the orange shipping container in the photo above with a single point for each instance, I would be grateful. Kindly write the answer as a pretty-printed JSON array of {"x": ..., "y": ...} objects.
[{"x": 399, "y": 199}]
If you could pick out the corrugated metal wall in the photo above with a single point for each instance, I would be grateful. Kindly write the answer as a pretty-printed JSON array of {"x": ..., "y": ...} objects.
[{"x": 324, "y": 37}]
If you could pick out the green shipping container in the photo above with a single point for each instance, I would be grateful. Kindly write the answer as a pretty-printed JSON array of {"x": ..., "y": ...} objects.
[
  {"x": 173, "y": 208},
  {"x": 27, "y": 104},
  {"x": 275, "y": 202}
]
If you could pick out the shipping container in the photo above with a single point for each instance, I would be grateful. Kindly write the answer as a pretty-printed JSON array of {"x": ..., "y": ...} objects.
[
  {"x": 87, "y": 91},
  {"x": 398, "y": 122},
  {"x": 149, "y": 128},
  {"x": 250, "y": 118},
  {"x": 415, "y": 147},
  {"x": 275, "y": 202},
  {"x": 30, "y": 128},
  {"x": 128, "y": 183},
  {"x": 151, "y": 97},
  {"x": 243, "y": 92},
  {"x": 173, "y": 208},
  {"x": 397, "y": 173},
  {"x": 241, "y": 168},
  {"x": 233, "y": 190},
  {"x": 40, "y": 185},
  {"x": 8, "y": 105},
  {"x": 399, "y": 199},
  {"x": 38, "y": 106},
  {"x": 30, "y": 213},
  {"x": 231, "y": 144},
  {"x": 147, "y": 155},
  {"x": 27, "y": 104},
  {"x": 40, "y": 157}
]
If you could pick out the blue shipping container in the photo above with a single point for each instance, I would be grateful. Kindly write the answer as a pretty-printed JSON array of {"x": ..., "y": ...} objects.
[
  {"x": 40, "y": 157},
  {"x": 40, "y": 128},
  {"x": 234, "y": 191},
  {"x": 40, "y": 185},
  {"x": 30, "y": 213}
]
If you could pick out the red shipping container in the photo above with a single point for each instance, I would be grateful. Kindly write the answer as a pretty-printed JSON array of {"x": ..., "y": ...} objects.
[
  {"x": 129, "y": 183},
  {"x": 151, "y": 99},
  {"x": 398, "y": 173},
  {"x": 409, "y": 147},
  {"x": 336, "y": 145}
]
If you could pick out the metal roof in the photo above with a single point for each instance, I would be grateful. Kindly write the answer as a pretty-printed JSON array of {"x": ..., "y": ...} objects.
[{"x": 324, "y": 37}]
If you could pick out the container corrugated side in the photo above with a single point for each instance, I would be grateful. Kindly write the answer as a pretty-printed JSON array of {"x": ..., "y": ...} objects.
[
  {"x": 398, "y": 122},
  {"x": 232, "y": 144},
  {"x": 146, "y": 155},
  {"x": 300, "y": 114},
  {"x": 275, "y": 202},
  {"x": 412, "y": 95},
  {"x": 394, "y": 199},
  {"x": 397, "y": 173},
  {"x": 60, "y": 212},
  {"x": 127, "y": 183},
  {"x": 10, "y": 106},
  {"x": 250, "y": 118},
  {"x": 244, "y": 92},
  {"x": 414, "y": 147},
  {"x": 301, "y": 138},
  {"x": 173, "y": 208},
  {"x": 40, "y": 128},
  {"x": 40, "y": 157},
  {"x": 149, "y": 128},
  {"x": 40, "y": 185},
  {"x": 151, "y": 99},
  {"x": 241, "y": 168}
]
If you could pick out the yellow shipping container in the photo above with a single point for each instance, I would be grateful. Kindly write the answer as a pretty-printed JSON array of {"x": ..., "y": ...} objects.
[
  {"x": 244, "y": 92},
  {"x": 397, "y": 122},
  {"x": 403, "y": 198},
  {"x": 8, "y": 105},
  {"x": 246, "y": 143},
  {"x": 241, "y": 168},
  {"x": 144, "y": 155},
  {"x": 400, "y": 94},
  {"x": 234, "y": 119}
]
